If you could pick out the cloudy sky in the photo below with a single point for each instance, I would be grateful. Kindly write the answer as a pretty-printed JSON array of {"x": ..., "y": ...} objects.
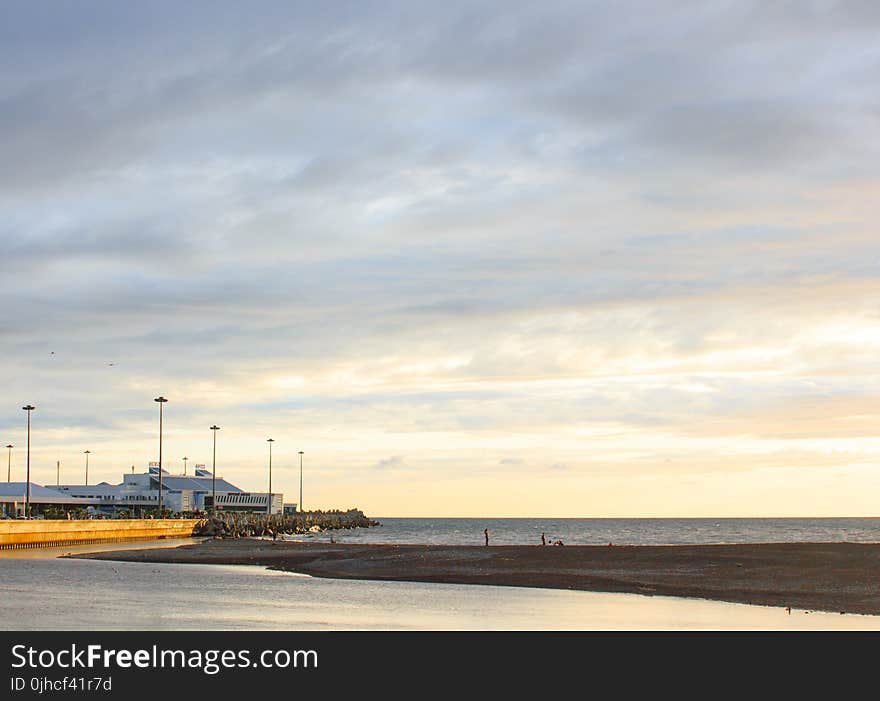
[{"x": 472, "y": 258}]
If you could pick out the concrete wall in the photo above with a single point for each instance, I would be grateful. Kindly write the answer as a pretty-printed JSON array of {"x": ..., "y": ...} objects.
[{"x": 45, "y": 533}]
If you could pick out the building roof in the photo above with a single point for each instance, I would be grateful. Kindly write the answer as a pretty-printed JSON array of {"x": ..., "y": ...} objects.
[
  {"x": 13, "y": 491},
  {"x": 197, "y": 484},
  {"x": 17, "y": 489}
]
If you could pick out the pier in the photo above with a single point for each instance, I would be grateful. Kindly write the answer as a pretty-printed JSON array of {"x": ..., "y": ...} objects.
[{"x": 45, "y": 533}]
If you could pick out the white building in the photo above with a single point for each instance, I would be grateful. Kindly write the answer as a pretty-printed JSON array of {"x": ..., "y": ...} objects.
[
  {"x": 179, "y": 493},
  {"x": 14, "y": 496}
]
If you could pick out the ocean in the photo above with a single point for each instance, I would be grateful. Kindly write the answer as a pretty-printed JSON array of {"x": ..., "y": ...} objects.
[
  {"x": 45, "y": 592},
  {"x": 601, "y": 531}
]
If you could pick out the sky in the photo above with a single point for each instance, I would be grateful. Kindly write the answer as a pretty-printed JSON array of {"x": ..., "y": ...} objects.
[{"x": 572, "y": 259}]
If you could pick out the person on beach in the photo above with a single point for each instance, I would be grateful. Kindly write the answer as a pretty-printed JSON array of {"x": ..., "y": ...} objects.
[
  {"x": 543, "y": 540},
  {"x": 486, "y": 533}
]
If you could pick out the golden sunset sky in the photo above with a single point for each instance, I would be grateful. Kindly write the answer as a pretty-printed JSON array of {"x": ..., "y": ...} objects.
[{"x": 474, "y": 259}]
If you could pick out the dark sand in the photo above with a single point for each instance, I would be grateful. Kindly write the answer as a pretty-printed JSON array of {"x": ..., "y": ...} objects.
[{"x": 840, "y": 577}]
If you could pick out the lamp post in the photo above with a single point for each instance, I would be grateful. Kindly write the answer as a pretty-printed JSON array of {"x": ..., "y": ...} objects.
[
  {"x": 161, "y": 401},
  {"x": 87, "y": 453},
  {"x": 270, "y": 441},
  {"x": 214, "y": 430},
  {"x": 9, "y": 464},
  {"x": 27, "y": 501},
  {"x": 184, "y": 464},
  {"x": 300, "y": 481}
]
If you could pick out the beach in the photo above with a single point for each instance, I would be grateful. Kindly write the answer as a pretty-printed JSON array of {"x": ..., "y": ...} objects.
[{"x": 836, "y": 577}]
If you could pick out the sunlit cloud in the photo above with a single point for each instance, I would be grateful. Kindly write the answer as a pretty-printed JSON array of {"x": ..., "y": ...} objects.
[{"x": 575, "y": 259}]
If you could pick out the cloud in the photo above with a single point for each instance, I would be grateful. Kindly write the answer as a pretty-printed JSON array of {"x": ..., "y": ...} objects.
[
  {"x": 446, "y": 233},
  {"x": 390, "y": 463}
]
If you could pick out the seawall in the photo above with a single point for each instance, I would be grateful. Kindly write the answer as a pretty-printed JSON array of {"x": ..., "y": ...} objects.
[{"x": 51, "y": 533}]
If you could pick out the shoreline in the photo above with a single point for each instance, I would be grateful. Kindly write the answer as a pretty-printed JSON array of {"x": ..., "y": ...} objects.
[{"x": 835, "y": 577}]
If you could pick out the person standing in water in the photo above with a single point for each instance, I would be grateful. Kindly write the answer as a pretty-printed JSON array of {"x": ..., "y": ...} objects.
[
  {"x": 543, "y": 539},
  {"x": 486, "y": 533}
]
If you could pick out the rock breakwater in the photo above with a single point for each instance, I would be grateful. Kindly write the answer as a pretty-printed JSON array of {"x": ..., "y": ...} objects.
[{"x": 241, "y": 525}]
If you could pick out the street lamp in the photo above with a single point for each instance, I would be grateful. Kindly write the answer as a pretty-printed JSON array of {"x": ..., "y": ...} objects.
[
  {"x": 87, "y": 452},
  {"x": 9, "y": 464},
  {"x": 270, "y": 441},
  {"x": 300, "y": 481},
  {"x": 161, "y": 401},
  {"x": 214, "y": 430},
  {"x": 184, "y": 464},
  {"x": 27, "y": 502}
]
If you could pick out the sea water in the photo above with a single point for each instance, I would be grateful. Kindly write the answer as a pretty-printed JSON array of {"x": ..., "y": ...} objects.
[{"x": 601, "y": 531}]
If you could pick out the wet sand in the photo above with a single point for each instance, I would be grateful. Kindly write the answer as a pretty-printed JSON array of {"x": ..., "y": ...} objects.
[{"x": 839, "y": 577}]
